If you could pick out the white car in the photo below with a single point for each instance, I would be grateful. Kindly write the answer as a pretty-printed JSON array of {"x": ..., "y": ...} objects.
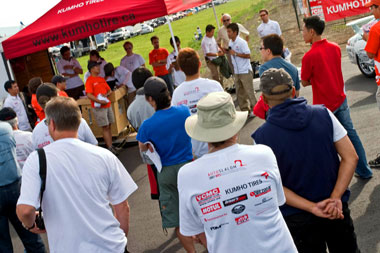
[
  {"x": 146, "y": 29},
  {"x": 119, "y": 34},
  {"x": 355, "y": 47}
]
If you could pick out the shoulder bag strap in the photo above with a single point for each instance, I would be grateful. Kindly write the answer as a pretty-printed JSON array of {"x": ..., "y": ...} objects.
[{"x": 42, "y": 160}]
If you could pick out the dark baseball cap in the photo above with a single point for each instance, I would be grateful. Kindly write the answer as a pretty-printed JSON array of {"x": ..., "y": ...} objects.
[
  {"x": 209, "y": 28},
  {"x": 58, "y": 79},
  {"x": 92, "y": 64},
  {"x": 272, "y": 78},
  {"x": 7, "y": 113},
  {"x": 154, "y": 86}
]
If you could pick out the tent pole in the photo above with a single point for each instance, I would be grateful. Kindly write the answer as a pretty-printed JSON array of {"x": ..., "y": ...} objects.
[
  {"x": 172, "y": 34},
  {"x": 216, "y": 18}
]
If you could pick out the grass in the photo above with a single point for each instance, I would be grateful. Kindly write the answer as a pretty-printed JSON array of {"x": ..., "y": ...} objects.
[{"x": 240, "y": 10}]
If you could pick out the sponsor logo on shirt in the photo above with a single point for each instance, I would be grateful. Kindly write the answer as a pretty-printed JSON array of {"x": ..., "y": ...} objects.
[
  {"x": 265, "y": 174},
  {"x": 260, "y": 192},
  {"x": 208, "y": 196},
  {"x": 211, "y": 208},
  {"x": 237, "y": 166},
  {"x": 214, "y": 218},
  {"x": 263, "y": 200},
  {"x": 238, "y": 209},
  {"x": 196, "y": 90},
  {"x": 242, "y": 219},
  {"x": 235, "y": 200},
  {"x": 183, "y": 102},
  {"x": 218, "y": 227},
  {"x": 243, "y": 186}
]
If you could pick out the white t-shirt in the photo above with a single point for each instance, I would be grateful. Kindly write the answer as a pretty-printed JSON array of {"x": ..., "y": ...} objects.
[
  {"x": 209, "y": 45},
  {"x": 270, "y": 27},
  {"x": 132, "y": 62},
  {"x": 102, "y": 74},
  {"x": 17, "y": 105},
  {"x": 235, "y": 200},
  {"x": 241, "y": 65},
  {"x": 223, "y": 39},
  {"x": 189, "y": 93},
  {"x": 24, "y": 145},
  {"x": 82, "y": 180},
  {"x": 41, "y": 136},
  {"x": 123, "y": 77},
  {"x": 72, "y": 82},
  {"x": 338, "y": 130},
  {"x": 178, "y": 76}
]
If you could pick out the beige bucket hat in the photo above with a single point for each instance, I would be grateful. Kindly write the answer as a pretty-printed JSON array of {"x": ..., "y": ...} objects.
[{"x": 216, "y": 119}]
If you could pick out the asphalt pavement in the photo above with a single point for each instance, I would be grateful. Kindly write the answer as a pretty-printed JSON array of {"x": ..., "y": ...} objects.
[{"x": 146, "y": 234}]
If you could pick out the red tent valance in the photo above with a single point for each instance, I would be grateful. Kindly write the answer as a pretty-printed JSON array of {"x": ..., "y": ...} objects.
[{"x": 72, "y": 20}]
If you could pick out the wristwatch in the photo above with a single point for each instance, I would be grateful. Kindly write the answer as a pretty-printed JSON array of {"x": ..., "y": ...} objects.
[{"x": 34, "y": 224}]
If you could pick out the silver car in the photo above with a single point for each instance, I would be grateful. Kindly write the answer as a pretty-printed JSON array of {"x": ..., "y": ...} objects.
[{"x": 355, "y": 47}]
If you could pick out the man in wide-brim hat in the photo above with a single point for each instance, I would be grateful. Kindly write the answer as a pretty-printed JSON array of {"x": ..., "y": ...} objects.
[{"x": 233, "y": 203}]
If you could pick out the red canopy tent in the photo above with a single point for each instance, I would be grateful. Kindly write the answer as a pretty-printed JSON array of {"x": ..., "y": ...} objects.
[{"x": 72, "y": 20}]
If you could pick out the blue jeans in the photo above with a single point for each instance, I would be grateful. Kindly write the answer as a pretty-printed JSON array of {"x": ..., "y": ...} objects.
[
  {"x": 8, "y": 200},
  {"x": 343, "y": 115}
]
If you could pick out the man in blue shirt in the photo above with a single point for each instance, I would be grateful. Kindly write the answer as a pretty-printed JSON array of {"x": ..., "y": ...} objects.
[
  {"x": 166, "y": 131},
  {"x": 10, "y": 175},
  {"x": 271, "y": 49}
]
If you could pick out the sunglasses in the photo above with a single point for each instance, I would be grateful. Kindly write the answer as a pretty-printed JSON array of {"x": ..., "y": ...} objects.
[
  {"x": 263, "y": 15},
  {"x": 373, "y": 7},
  {"x": 47, "y": 121},
  {"x": 261, "y": 48},
  {"x": 226, "y": 20}
]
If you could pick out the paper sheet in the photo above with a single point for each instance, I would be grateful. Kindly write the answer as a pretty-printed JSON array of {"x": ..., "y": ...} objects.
[
  {"x": 154, "y": 157},
  {"x": 102, "y": 98}
]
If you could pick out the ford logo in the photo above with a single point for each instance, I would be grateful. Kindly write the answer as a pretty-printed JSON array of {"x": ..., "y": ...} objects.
[{"x": 238, "y": 209}]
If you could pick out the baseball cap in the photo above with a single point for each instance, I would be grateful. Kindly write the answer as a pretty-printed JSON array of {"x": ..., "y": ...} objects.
[
  {"x": 154, "y": 86},
  {"x": 58, "y": 79},
  {"x": 92, "y": 64},
  {"x": 209, "y": 28},
  {"x": 372, "y": 2},
  {"x": 216, "y": 119},
  {"x": 273, "y": 78},
  {"x": 7, "y": 113}
]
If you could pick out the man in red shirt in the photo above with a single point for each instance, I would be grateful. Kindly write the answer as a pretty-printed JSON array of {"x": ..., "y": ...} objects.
[
  {"x": 373, "y": 51},
  {"x": 97, "y": 91},
  {"x": 321, "y": 68},
  {"x": 158, "y": 59}
]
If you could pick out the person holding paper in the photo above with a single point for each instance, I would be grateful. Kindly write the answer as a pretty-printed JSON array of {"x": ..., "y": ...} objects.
[
  {"x": 97, "y": 91},
  {"x": 166, "y": 131}
]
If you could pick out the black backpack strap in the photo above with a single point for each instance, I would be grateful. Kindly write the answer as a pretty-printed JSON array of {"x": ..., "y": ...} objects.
[{"x": 42, "y": 160}]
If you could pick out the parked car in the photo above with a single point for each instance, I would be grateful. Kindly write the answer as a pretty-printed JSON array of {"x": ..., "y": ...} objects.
[
  {"x": 146, "y": 29},
  {"x": 119, "y": 34},
  {"x": 355, "y": 47}
]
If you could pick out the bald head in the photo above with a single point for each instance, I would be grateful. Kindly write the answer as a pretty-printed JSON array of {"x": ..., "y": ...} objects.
[{"x": 226, "y": 19}]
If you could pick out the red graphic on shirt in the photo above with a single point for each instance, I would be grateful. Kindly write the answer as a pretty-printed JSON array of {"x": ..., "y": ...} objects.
[
  {"x": 239, "y": 162},
  {"x": 265, "y": 174},
  {"x": 242, "y": 219},
  {"x": 197, "y": 89},
  {"x": 211, "y": 208},
  {"x": 207, "y": 194}
]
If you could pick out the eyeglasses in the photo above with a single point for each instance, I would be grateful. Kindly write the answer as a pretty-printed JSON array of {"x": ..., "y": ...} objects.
[
  {"x": 263, "y": 15},
  {"x": 47, "y": 121},
  {"x": 226, "y": 20},
  {"x": 373, "y": 7},
  {"x": 126, "y": 48}
]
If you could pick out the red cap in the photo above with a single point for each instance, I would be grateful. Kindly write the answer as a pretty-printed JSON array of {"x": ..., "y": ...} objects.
[{"x": 372, "y": 2}]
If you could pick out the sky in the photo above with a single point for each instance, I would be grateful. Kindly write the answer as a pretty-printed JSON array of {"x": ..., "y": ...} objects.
[{"x": 27, "y": 11}]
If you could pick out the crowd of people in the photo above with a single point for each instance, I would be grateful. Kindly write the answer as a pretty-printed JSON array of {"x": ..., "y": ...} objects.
[{"x": 213, "y": 191}]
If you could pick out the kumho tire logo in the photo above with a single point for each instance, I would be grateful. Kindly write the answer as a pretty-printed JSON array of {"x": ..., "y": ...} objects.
[{"x": 211, "y": 208}]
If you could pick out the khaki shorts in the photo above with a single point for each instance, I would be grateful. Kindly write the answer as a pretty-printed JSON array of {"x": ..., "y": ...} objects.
[
  {"x": 169, "y": 200},
  {"x": 103, "y": 116}
]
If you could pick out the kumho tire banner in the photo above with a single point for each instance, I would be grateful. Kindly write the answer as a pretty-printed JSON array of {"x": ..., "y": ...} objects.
[{"x": 338, "y": 9}]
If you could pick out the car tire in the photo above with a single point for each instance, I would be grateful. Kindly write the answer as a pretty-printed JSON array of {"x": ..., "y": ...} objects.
[{"x": 366, "y": 70}]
